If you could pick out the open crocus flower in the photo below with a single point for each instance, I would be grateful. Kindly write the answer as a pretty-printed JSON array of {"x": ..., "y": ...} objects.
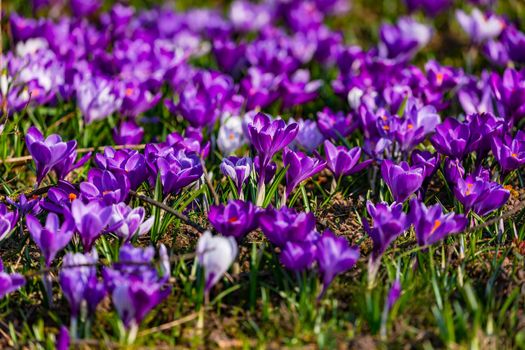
[
  {"x": 402, "y": 180},
  {"x": 60, "y": 197},
  {"x": 178, "y": 169},
  {"x": 343, "y": 161},
  {"x": 389, "y": 221},
  {"x": 334, "y": 256},
  {"x": 300, "y": 168},
  {"x": 286, "y": 225},
  {"x": 80, "y": 285},
  {"x": 415, "y": 125},
  {"x": 129, "y": 222},
  {"x": 260, "y": 88},
  {"x": 238, "y": 170},
  {"x": 452, "y": 138},
  {"x": 479, "y": 26},
  {"x": 90, "y": 220},
  {"x": 9, "y": 282},
  {"x": 110, "y": 187},
  {"x": 480, "y": 195},
  {"x": 427, "y": 161},
  {"x": 215, "y": 254},
  {"x": 126, "y": 161},
  {"x": 235, "y": 219},
  {"x": 97, "y": 98},
  {"x": 431, "y": 225},
  {"x": 508, "y": 151},
  {"x": 8, "y": 221},
  {"x": 47, "y": 152},
  {"x": 51, "y": 238}
]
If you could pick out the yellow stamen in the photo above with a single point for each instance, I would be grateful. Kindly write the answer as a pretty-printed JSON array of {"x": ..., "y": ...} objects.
[
  {"x": 437, "y": 223},
  {"x": 439, "y": 78},
  {"x": 72, "y": 197}
]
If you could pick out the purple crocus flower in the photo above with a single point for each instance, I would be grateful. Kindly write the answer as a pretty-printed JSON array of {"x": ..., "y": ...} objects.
[
  {"x": 178, "y": 170},
  {"x": 431, "y": 225},
  {"x": 51, "y": 238},
  {"x": 300, "y": 168},
  {"x": 430, "y": 7},
  {"x": 47, "y": 152},
  {"x": 60, "y": 197},
  {"x": 508, "y": 151},
  {"x": 25, "y": 206},
  {"x": 129, "y": 162},
  {"x": 427, "y": 161},
  {"x": 260, "y": 88},
  {"x": 509, "y": 90},
  {"x": 453, "y": 170},
  {"x": 128, "y": 133},
  {"x": 389, "y": 221},
  {"x": 79, "y": 282},
  {"x": 309, "y": 136},
  {"x": 343, "y": 161},
  {"x": 110, "y": 187},
  {"x": 479, "y": 26},
  {"x": 403, "y": 39},
  {"x": 135, "y": 285},
  {"x": 82, "y": 8},
  {"x": 270, "y": 136},
  {"x": 415, "y": 125},
  {"x": 215, "y": 254},
  {"x": 63, "y": 340},
  {"x": 238, "y": 170},
  {"x": 9, "y": 282},
  {"x": 334, "y": 256},
  {"x": 8, "y": 221},
  {"x": 480, "y": 195},
  {"x": 235, "y": 219},
  {"x": 335, "y": 125},
  {"x": 298, "y": 256},
  {"x": 97, "y": 98},
  {"x": 67, "y": 165},
  {"x": 452, "y": 138},
  {"x": 90, "y": 220},
  {"x": 299, "y": 89},
  {"x": 402, "y": 180},
  {"x": 483, "y": 127},
  {"x": 269, "y": 170},
  {"x": 229, "y": 55},
  {"x": 286, "y": 225},
  {"x": 514, "y": 41},
  {"x": 393, "y": 294},
  {"x": 129, "y": 222}
]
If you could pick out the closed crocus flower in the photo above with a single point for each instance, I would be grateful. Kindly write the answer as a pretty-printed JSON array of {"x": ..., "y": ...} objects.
[
  {"x": 9, "y": 282},
  {"x": 128, "y": 133},
  {"x": 480, "y": 195},
  {"x": 79, "y": 283},
  {"x": 25, "y": 206},
  {"x": 335, "y": 125},
  {"x": 479, "y": 26},
  {"x": 509, "y": 152},
  {"x": 270, "y": 136},
  {"x": 178, "y": 170},
  {"x": 453, "y": 170},
  {"x": 452, "y": 138},
  {"x": 309, "y": 137},
  {"x": 51, "y": 238},
  {"x": 431, "y": 224},
  {"x": 129, "y": 222},
  {"x": 514, "y": 41},
  {"x": 231, "y": 135},
  {"x": 483, "y": 128},
  {"x": 402, "y": 180},
  {"x": 97, "y": 98},
  {"x": 285, "y": 225},
  {"x": 509, "y": 90},
  {"x": 235, "y": 219},
  {"x": 260, "y": 88},
  {"x": 343, "y": 161},
  {"x": 8, "y": 221},
  {"x": 389, "y": 221},
  {"x": 229, "y": 55},
  {"x": 110, "y": 187},
  {"x": 300, "y": 168},
  {"x": 215, "y": 254},
  {"x": 47, "y": 152},
  {"x": 90, "y": 220},
  {"x": 402, "y": 40},
  {"x": 83, "y": 8},
  {"x": 334, "y": 256},
  {"x": 135, "y": 285},
  {"x": 238, "y": 170},
  {"x": 298, "y": 256},
  {"x": 299, "y": 89}
]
